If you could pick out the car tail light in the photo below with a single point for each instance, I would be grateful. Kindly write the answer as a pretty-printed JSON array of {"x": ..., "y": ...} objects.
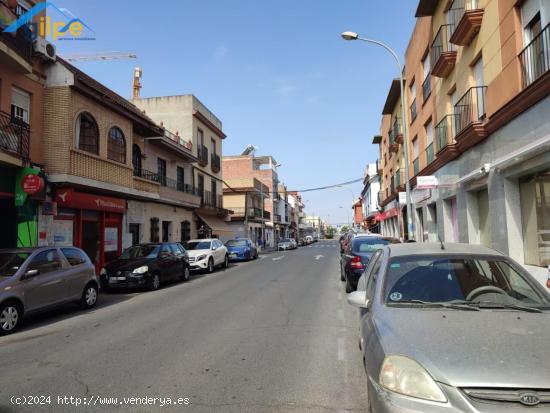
[{"x": 356, "y": 263}]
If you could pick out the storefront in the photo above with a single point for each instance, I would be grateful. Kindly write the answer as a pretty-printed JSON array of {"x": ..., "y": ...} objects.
[{"x": 88, "y": 221}]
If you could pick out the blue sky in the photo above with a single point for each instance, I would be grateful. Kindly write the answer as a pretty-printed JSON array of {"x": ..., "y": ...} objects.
[{"x": 275, "y": 72}]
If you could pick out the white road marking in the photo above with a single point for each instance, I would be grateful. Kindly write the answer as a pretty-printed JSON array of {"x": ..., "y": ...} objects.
[
  {"x": 277, "y": 258},
  {"x": 319, "y": 256},
  {"x": 341, "y": 350}
]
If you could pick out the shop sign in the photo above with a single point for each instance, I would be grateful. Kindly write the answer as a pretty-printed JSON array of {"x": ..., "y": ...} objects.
[
  {"x": 426, "y": 182},
  {"x": 32, "y": 184},
  {"x": 69, "y": 198},
  {"x": 402, "y": 198},
  {"x": 62, "y": 232},
  {"x": 26, "y": 183},
  {"x": 49, "y": 208}
]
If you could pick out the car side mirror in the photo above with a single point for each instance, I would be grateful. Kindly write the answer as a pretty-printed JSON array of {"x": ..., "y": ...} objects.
[
  {"x": 31, "y": 273},
  {"x": 214, "y": 248},
  {"x": 358, "y": 299}
]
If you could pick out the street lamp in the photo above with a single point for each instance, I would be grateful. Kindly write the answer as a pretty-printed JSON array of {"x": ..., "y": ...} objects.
[{"x": 354, "y": 36}]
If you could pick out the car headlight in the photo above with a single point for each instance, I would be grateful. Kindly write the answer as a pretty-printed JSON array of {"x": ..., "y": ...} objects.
[
  {"x": 405, "y": 376},
  {"x": 201, "y": 257},
  {"x": 141, "y": 270},
  {"x": 103, "y": 272}
]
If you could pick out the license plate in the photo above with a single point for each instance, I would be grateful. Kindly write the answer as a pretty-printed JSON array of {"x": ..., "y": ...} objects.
[
  {"x": 115, "y": 279},
  {"x": 233, "y": 255}
]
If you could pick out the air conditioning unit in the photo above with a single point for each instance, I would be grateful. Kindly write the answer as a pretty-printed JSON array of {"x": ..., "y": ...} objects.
[{"x": 44, "y": 49}]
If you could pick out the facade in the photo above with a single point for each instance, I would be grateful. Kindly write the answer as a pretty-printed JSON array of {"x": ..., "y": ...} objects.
[
  {"x": 246, "y": 199},
  {"x": 191, "y": 120},
  {"x": 358, "y": 218},
  {"x": 264, "y": 169},
  {"x": 369, "y": 197},
  {"x": 482, "y": 129},
  {"x": 297, "y": 215},
  {"x": 22, "y": 186}
]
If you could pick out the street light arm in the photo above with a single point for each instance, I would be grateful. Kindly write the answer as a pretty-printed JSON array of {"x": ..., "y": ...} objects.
[{"x": 385, "y": 46}]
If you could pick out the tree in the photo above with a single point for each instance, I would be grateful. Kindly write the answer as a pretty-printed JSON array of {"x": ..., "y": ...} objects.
[
  {"x": 330, "y": 232},
  {"x": 344, "y": 228}
]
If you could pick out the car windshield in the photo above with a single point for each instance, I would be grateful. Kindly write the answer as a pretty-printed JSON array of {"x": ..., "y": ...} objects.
[
  {"x": 236, "y": 243},
  {"x": 198, "y": 245},
  {"x": 10, "y": 262},
  {"x": 284, "y": 240},
  {"x": 475, "y": 279},
  {"x": 367, "y": 244},
  {"x": 140, "y": 251}
]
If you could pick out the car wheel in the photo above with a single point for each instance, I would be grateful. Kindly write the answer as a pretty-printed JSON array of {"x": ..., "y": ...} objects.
[
  {"x": 349, "y": 288},
  {"x": 226, "y": 262},
  {"x": 155, "y": 282},
  {"x": 89, "y": 296},
  {"x": 10, "y": 317},
  {"x": 186, "y": 274},
  {"x": 210, "y": 268}
]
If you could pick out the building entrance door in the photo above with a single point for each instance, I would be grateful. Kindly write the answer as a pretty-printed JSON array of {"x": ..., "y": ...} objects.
[{"x": 91, "y": 241}]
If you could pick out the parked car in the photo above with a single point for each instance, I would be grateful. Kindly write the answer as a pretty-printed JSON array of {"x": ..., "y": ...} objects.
[
  {"x": 286, "y": 244},
  {"x": 294, "y": 243},
  {"x": 301, "y": 242},
  {"x": 146, "y": 265},
  {"x": 356, "y": 256},
  {"x": 453, "y": 328},
  {"x": 241, "y": 249},
  {"x": 309, "y": 239},
  {"x": 207, "y": 254},
  {"x": 34, "y": 279}
]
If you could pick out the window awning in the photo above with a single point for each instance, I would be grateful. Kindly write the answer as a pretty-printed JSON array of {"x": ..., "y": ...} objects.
[{"x": 217, "y": 226}]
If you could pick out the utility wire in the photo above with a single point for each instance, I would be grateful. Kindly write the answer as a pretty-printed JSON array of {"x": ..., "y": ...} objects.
[{"x": 328, "y": 186}]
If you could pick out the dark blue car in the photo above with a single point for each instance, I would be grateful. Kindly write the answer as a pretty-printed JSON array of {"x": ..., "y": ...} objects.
[{"x": 241, "y": 249}]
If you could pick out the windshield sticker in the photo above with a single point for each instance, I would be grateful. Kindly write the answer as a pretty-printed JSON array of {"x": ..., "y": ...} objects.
[
  {"x": 396, "y": 265},
  {"x": 396, "y": 296}
]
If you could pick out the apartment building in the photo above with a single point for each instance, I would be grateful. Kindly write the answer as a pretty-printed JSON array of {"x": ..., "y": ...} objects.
[
  {"x": 22, "y": 180},
  {"x": 246, "y": 198},
  {"x": 187, "y": 117},
  {"x": 369, "y": 198},
  {"x": 297, "y": 215},
  {"x": 264, "y": 169},
  {"x": 282, "y": 216},
  {"x": 482, "y": 130}
]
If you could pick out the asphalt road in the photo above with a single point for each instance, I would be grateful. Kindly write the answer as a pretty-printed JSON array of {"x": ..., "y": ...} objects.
[{"x": 272, "y": 335}]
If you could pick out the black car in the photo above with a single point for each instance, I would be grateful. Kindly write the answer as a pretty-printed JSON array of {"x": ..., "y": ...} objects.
[
  {"x": 356, "y": 255},
  {"x": 147, "y": 265}
]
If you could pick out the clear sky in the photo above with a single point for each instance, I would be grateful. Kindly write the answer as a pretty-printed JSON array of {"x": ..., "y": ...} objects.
[{"x": 274, "y": 71}]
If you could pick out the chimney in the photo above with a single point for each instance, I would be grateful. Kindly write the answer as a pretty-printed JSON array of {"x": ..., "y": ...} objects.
[{"x": 137, "y": 84}]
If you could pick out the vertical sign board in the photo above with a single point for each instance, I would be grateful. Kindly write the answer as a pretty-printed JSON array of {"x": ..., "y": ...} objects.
[{"x": 111, "y": 239}]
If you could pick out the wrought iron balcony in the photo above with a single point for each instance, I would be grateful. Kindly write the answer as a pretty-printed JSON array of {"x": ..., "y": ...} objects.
[
  {"x": 430, "y": 156},
  {"x": 535, "y": 58},
  {"x": 20, "y": 42},
  {"x": 445, "y": 132},
  {"x": 14, "y": 136},
  {"x": 166, "y": 182},
  {"x": 202, "y": 154},
  {"x": 426, "y": 88},
  {"x": 413, "y": 110},
  {"x": 215, "y": 162},
  {"x": 466, "y": 17},
  {"x": 443, "y": 52},
  {"x": 470, "y": 109},
  {"x": 211, "y": 200}
]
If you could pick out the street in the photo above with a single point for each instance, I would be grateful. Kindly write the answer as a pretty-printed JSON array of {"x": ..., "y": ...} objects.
[{"x": 271, "y": 335}]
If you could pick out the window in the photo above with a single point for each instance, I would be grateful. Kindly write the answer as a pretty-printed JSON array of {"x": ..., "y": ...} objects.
[
  {"x": 429, "y": 133},
  {"x": 154, "y": 230},
  {"x": 45, "y": 262},
  {"x": 213, "y": 143},
  {"x": 161, "y": 171},
  {"x": 134, "y": 231},
  {"x": 87, "y": 133},
  {"x": 185, "y": 231},
  {"x": 136, "y": 159},
  {"x": 180, "y": 175},
  {"x": 426, "y": 85},
  {"x": 20, "y": 105},
  {"x": 74, "y": 256},
  {"x": 166, "y": 230},
  {"x": 200, "y": 138},
  {"x": 371, "y": 275},
  {"x": 535, "y": 211},
  {"x": 116, "y": 145},
  {"x": 415, "y": 148}
]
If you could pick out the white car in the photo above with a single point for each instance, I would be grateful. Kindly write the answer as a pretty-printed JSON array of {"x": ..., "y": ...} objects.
[{"x": 206, "y": 254}]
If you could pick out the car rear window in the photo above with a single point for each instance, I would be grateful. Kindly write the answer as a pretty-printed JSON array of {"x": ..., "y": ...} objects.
[
  {"x": 368, "y": 244},
  {"x": 74, "y": 256},
  {"x": 236, "y": 243}
]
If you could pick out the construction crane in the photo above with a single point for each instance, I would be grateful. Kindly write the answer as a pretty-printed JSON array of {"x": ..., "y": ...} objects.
[{"x": 88, "y": 57}]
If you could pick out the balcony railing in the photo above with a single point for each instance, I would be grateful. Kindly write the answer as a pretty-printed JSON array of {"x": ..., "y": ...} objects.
[
  {"x": 399, "y": 179},
  {"x": 14, "y": 136},
  {"x": 535, "y": 58},
  {"x": 202, "y": 154},
  {"x": 21, "y": 42},
  {"x": 165, "y": 181},
  {"x": 416, "y": 166},
  {"x": 430, "y": 156},
  {"x": 470, "y": 108},
  {"x": 278, "y": 218},
  {"x": 445, "y": 132},
  {"x": 426, "y": 88},
  {"x": 215, "y": 162},
  {"x": 211, "y": 200},
  {"x": 443, "y": 52},
  {"x": 465, "y": 16},
  {"x": 413, "y": 110}
]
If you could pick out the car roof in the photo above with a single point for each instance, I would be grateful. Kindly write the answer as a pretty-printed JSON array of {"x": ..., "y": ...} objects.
[
  {"x": 28, "y": 249},
  {"x": 202, "y": 240},
  {"x": 434, "y": 248}
]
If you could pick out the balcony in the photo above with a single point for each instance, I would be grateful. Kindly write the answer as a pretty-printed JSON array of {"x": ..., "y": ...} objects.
[
  {"x": 399, "y": 180},
  {"x": 88, "y": 165},
  {"x": 170, "y": 188},
  {"x": 277, "y": 218},
  {"x": 466, "y": 17},
  {"x": 416, "y": 166},
  {"x": 215, "y": 163},
  {"x": 16, "y": 48},
  {"x": 14, "y": 136},
  {"x": 174, "y": 143},
  {"x": 392, "y": 136},
  {"x": 443, "y": 52},
  {"x": 202, "y": 155},
  {"x": 535, "y": 58},
  {"x": 426, "y": 88},
  {"x": 378, "y": 167},
  {"x": 430, "y": 156},
  {"x": 470, "y": 115},
  {"x": 413, "y": 110},
  {"x": 210, "y": 200}
]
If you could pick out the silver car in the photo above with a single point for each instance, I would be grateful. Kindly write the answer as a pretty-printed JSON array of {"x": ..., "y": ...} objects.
[
  {"x": 453, "y": 328},
  {"x": 33, "y": 279}
]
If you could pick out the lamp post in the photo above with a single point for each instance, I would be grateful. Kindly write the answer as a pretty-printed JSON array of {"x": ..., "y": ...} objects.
[{"x": 354, "y": 36}]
